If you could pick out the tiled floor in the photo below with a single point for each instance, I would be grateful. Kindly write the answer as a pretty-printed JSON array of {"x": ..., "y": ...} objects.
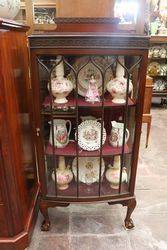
[{"x": 99, "y": 227}]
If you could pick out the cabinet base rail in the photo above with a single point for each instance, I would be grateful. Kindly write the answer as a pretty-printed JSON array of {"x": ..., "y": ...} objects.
[{"x": 129, "y": 202}]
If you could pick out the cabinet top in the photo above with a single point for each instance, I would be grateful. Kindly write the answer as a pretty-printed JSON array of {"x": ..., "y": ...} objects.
[
  {"x": 88, "y": 40},
  {"x": 12, "y": 25}
]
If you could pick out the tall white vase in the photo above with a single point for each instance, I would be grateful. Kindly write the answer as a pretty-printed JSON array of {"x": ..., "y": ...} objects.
[
  {"x": 117, "y": 87},
  {"x": 9, "y": 8}
]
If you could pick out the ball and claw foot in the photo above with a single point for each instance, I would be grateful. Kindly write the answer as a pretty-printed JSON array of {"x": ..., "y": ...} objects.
[
  {"x": 45, "y": 226},
  {"x": 129, "y": 224}
]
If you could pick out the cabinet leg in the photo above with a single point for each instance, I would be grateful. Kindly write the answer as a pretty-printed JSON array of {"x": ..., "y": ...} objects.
[
  {"x": 148, "y": 131},
  {"x": 131, "y": 204},
  {"x": 45, "y": 226}
]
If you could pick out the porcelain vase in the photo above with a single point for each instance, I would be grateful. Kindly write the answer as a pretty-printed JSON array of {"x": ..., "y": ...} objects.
[
  {"x": 117, "y": 87},
  {"x": 9, "y": 8},
  {"x": 113, "y": 173},
  {"x": 63, "y": 174},
  {"x": 60, "y": 86}
]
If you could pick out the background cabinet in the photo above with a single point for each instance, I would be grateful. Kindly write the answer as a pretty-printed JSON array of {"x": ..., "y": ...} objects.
[
  {"x": 157, "y": 67},
  {"x": 18, "y": 181}
]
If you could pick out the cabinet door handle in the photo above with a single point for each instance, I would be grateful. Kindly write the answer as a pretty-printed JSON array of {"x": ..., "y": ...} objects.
[{"x": 38, "y": 131}]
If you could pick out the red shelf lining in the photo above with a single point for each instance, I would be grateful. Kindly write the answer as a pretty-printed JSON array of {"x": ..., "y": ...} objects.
[
  {"x": 82, "y": 103},
  {"x": 71, "y": 150},
  {"x": 87, "y": 190}
]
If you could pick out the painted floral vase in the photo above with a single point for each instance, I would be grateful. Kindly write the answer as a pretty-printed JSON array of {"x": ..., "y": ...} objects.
[
  {"x": 117, "y": 87},
  {"x": 63, "y": 174},
  {"x": 113, "y": 173},
  {"x": 61, "y": 134},
  {"x": 60, "y": 86},
  {"x": 9, "y": 8}
]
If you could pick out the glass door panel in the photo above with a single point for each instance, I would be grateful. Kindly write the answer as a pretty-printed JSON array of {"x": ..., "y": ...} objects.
[{"x": 88, "y": 111}]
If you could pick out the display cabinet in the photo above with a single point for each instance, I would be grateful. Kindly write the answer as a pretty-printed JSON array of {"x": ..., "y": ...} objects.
[
  {"x": 19, "y": 187},
  {"x": 88, "y": 91}
]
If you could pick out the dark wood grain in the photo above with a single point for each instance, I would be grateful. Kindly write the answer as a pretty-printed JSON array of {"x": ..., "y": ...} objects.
[{"x": 16, "y": 145}]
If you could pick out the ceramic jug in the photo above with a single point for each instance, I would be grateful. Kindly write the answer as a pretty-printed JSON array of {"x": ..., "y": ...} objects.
[
  {"x": 113, "y": 173},
  {"x": 61, "y": 135},
  {"x": 63, "y": 174},
  {"x": 116, "y": 137},
  {"x": 60, "y": 86}
]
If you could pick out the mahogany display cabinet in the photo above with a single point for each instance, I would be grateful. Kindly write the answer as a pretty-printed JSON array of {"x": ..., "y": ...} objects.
[
  {"x": 78, "y": 162},
  {"x": 19, "y": 187}
]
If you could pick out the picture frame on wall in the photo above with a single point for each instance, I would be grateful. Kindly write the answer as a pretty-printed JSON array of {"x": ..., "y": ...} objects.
[{"x": 44, "y": 14}]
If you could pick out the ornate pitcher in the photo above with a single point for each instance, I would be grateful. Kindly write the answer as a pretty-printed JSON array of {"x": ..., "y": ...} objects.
[
  {"x": 116, "y": 138},
  {"x": 61, "y": 134}
]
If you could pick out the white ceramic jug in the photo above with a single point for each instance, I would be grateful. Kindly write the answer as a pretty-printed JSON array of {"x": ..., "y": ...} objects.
[
  {"x": 116, "y": 138},
  {"x": 61, "y": 135}
]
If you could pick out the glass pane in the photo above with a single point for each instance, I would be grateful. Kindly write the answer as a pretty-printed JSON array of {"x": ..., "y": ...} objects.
[{"x": 88, "y": 110}]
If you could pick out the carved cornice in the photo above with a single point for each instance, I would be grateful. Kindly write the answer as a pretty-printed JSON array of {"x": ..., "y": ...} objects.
[
  {"x": 89, "y": 41},
  {"x": 88, "y": 20}
]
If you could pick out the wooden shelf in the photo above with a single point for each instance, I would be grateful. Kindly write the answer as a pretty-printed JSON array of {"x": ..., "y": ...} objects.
[
  {"x": 71, "y": 150},
  {"x": 158, "y": 76},
  {"x": 158, "y": 39}
]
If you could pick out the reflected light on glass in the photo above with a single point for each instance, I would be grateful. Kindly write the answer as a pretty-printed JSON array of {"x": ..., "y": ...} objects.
[{"x": 126, "y": 10}]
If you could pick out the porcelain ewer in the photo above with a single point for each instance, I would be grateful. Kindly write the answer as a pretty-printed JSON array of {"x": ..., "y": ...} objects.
[
  {"x": 61, "y": 135},
  {"x": 117, "y": 131}
]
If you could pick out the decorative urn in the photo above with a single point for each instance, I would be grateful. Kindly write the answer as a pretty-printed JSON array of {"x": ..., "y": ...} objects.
[
  {"x": 63, "y": 174},
  {"x": 60, "y": 86},
  {"x": 9, "y": 8},
  {"x": 113, "y": 173},
  {"x": 117, "y": 87}
]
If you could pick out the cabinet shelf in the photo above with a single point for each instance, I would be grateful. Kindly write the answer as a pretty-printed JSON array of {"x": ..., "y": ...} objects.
[
  {"x": 87, "y": 190},
  {"x": 159, "y": 93},
  {"x": 72, "y": 103},
  {"x": 71, "y": 150}
]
